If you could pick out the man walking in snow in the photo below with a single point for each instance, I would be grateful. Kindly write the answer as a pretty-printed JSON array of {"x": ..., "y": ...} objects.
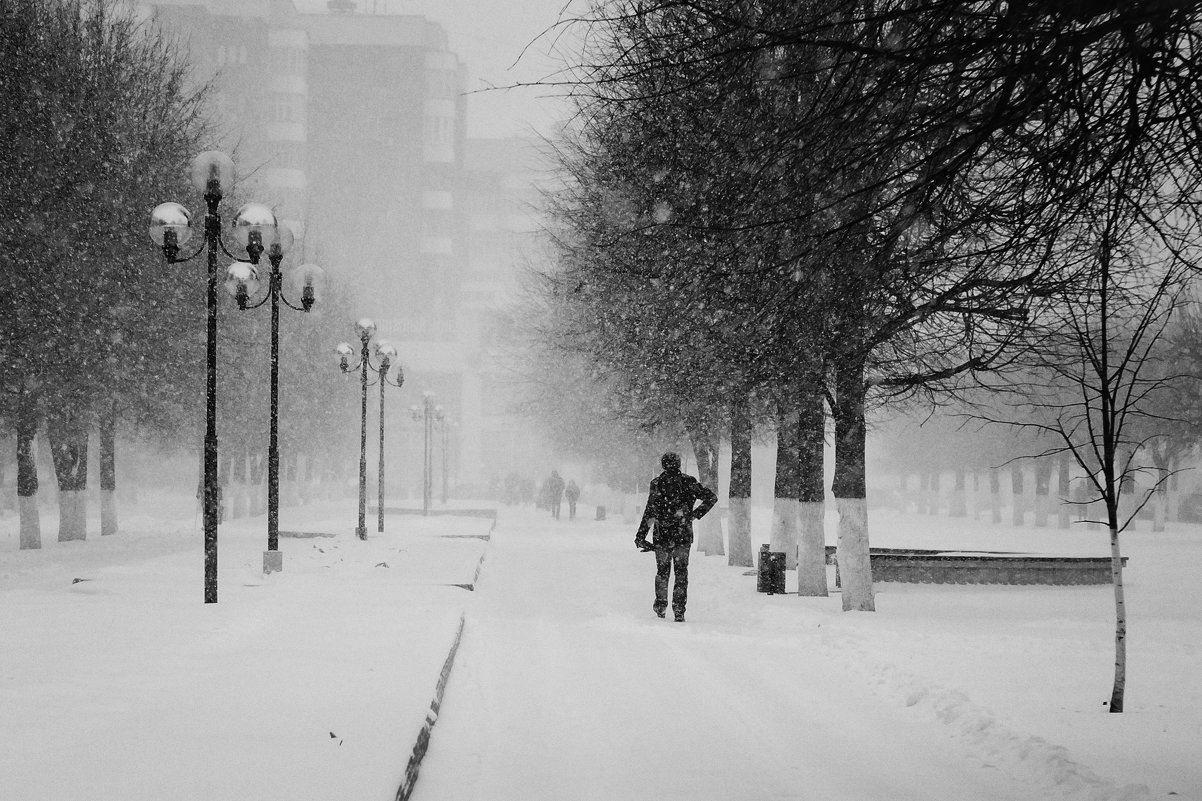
[{"x": 670, "y": 507}]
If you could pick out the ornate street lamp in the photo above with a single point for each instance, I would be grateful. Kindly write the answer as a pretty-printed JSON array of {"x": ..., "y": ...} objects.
[
  {"x": 171, "y": 228},
  {"x": 242, "y": 281},
  {"x": 386, "y": 355},
  {"x": 427, "y": 414}
]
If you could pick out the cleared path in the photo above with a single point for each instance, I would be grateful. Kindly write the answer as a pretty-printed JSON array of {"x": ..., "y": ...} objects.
[{"x": 568, "y": 687}]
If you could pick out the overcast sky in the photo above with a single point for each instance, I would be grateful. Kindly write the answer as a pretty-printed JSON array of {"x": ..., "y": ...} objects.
[{"x": 489, "y": 37}]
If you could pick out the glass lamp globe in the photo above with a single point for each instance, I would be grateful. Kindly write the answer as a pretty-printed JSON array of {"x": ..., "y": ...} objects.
[
  {"x": 285, "y": 237},
  {"x": 311, "y": 280},
  {"x": 344, "y": 352},
  {"x": 213, "y": 169},
  {"x": 365, "y": 327},
  {"x": 241, "y": 278},
  {"x": 251, "y": 219},
  {"x": 170, "y": 217}
]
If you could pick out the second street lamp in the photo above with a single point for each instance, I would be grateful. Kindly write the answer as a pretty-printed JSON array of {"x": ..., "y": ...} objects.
[
  {"x": 241, "y": 282},
  {"x": 386, "y": 355}
]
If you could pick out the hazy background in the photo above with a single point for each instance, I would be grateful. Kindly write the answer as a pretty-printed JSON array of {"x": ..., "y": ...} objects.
[{"x": 502, "y": 43}]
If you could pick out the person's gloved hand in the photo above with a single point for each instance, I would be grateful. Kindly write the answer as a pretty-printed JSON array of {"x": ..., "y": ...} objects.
[{"x": 643, "y": 545}]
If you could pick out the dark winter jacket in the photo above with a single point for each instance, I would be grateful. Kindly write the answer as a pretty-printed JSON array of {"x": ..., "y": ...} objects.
[{"x": 670, "y": 508}]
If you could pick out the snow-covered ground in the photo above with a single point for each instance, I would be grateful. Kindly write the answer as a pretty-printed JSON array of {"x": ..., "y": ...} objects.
[{"x": 314, "y": 683}]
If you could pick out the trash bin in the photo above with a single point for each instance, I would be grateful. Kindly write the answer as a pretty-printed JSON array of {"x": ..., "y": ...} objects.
[
  {"x": 770, "y": 577},
  {"x": 600, "y": 512}
]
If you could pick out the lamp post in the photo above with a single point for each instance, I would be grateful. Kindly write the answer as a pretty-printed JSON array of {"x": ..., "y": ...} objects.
[
  {"x": 427, "y": 413},
  {"x": 241, "y": 282},
  {"x": 171, "y": 228},
  {"x": 447, "y": 423},
  {"x": 387, "y": 355}
]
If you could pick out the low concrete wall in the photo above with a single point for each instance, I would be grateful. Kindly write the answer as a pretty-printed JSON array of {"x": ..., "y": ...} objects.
[{"x": 988, "y": 567}]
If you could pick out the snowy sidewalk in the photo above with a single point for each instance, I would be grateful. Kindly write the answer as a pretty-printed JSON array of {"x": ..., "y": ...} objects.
[
  {"x": 308, "y": 684},
  {"x": 567, "y": 687}
]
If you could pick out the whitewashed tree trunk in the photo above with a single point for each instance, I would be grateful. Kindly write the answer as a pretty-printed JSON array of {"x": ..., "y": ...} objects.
[
  {"x": 1120, "y": 625},
  {"x": 1160, "y": 501},
  {"x": 740, "y": 552},
  {"x": 72, "y": 515},
  {"x": 855, "y": 568},
  {"x": 31, "y": 523},
  {"x": 995, "y": 496},
  {"x": 27, "y": 470},
  {"x": 811, "y": 555},
  {"x": 784, "y": 535},
  {"x": 958, "y": 503},
  {"x": 108, "y": 512},
  {"x": 738, "y": 523},
  {"x": 1064, "y": 494},
  {"x": 1018, "y": 502}
]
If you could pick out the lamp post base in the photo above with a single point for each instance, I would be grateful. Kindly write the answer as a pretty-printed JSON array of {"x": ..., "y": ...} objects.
[
  {"x": 273, "y": 562},
  {"x": 361, "y": 532}
]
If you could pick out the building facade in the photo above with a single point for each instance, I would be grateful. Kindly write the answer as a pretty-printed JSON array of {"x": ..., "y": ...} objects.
[{"x": 352, "y": 124}]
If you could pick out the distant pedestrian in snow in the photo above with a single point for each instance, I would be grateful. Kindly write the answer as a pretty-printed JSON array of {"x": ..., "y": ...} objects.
[
  {"x": 670, "y": 507},
  {"x": 553, "y": 487},
  {"x": 572, "y": 493}
]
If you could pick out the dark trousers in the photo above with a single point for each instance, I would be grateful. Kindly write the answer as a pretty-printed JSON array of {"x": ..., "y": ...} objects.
[
  {"x": 555, "y": 508},
  {"x": 571, "y": 508},
  {"x": 666, "y": 562}
]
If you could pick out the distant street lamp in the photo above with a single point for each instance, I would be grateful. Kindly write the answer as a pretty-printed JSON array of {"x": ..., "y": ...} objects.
[
  {"x": 387, "y": 355},
  {"x": 171, "y": 228},
  {"x": 242, "y": 281},
  {"x": 427, "y": 414},
  {"x": 447, "y": 423}
]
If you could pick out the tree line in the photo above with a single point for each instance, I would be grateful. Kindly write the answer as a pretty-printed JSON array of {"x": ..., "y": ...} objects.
[
  {"x": 774, "y": 214},
  {"x": 99, "y": 337}
]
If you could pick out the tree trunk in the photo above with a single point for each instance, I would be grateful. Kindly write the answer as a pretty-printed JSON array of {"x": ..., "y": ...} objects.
[
  {"x": 1160, "y": 501},
  {"x": 258, "y": 494},
  {"x": 5, "y": 502},
  {"x": 958, "y": 505},
  {"x": 1017, "y": 502},
  {"x": 27, "y": 472},
  {"x": 108, "y": 471},
  {"x": 1043, "y": 492},
  {"x": 705, "y": 450},
  {"x": 783, "y": 537},
  {"x": 811, "y": 497},
  {"x": 995, "y": 495},
  {"x": 1120, "y": 623},
  {"x": 1127, "y": 502},
  {"x": 849, "y": 487},
  {"x": 741, "y": 553},
  {"x": 68, "y": 433},
  {"x": 1064, "y": 484}
]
